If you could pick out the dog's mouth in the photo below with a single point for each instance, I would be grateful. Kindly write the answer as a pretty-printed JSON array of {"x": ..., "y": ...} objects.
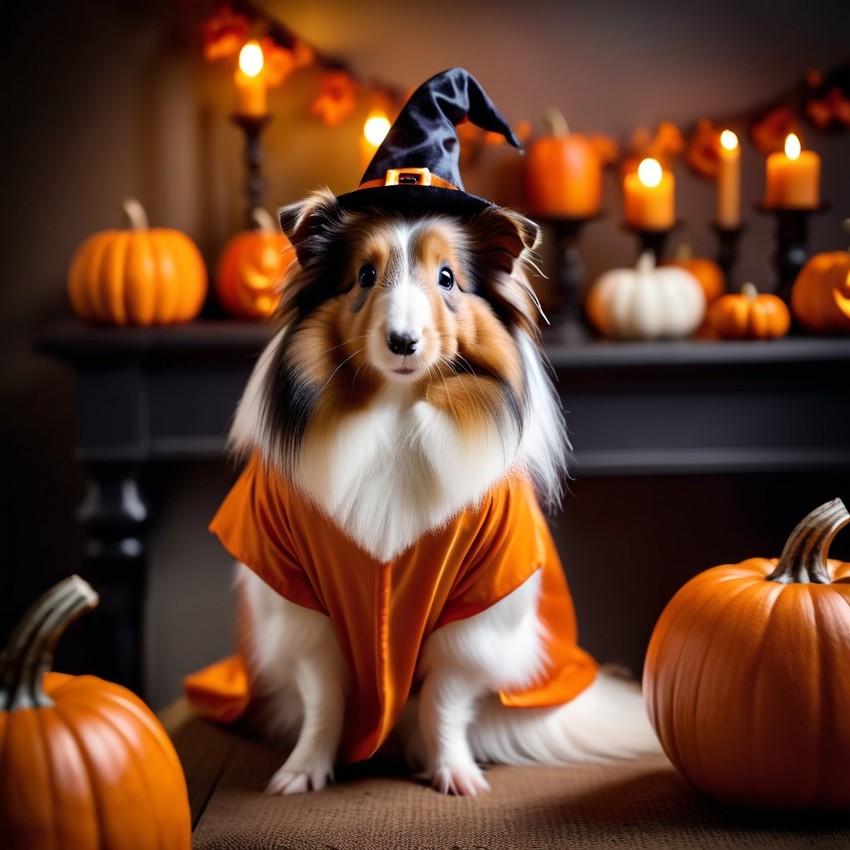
[{"x": 404, "y": 370}]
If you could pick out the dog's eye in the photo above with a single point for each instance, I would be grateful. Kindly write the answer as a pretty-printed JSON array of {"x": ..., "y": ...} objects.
[
  {"x": 367, "y": 275},
  {"x": 446, "y": 278}
]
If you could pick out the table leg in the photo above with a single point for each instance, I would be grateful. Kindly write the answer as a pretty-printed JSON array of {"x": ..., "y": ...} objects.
[{"x": 115, "y": 517}]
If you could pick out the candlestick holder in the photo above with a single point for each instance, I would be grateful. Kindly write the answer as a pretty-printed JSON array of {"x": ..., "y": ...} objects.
[
  {"x": 792, "y": 243},
  {"x": 727, "y": 247},
  {"x": 255, "y": 186},
  {"x": 652, "y": 238},
  {"x": 571, "y": 272}
]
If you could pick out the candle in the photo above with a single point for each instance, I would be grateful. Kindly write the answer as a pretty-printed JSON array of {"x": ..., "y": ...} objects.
[
  {"x": 250, "y": 81},
  {"x": 649, "y": 197},
  {"x": 729, "y": 181},
  {"x": 375, "y": 128},
  {"x": 793, "y": 177}
]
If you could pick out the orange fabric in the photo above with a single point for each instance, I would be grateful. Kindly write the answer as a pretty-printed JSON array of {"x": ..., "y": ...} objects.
[{"x": 382, "y": 613}]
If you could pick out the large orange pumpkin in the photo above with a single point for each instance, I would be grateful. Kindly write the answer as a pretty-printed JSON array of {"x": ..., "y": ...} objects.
[
  {"x": 251, "y": 269},
  {"x": 820, "y": 297},
  {"x": 84, "y": 764},
  {"x": 137, "y": 276},
  {"x": 747, "y": 675}
]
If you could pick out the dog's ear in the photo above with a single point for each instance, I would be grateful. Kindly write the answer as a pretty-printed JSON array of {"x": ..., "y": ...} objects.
[
  {"x": 502, "y": 235},
  {"x": 309, "y": 223},
  {"x": 503, "y": 242}
]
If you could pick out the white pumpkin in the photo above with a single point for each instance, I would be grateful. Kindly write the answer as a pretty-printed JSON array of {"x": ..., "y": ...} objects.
[{"x": 646, "y": 302}]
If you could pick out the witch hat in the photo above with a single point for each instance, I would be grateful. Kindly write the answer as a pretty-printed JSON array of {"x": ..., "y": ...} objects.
[{"x": 417, "y": 166}]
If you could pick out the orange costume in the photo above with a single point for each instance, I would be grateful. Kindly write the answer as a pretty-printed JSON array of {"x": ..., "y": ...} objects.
[{"x": 382, "y": 613}]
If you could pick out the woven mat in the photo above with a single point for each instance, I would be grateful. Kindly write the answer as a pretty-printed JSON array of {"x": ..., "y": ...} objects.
[{"x": 641, "y": 804}]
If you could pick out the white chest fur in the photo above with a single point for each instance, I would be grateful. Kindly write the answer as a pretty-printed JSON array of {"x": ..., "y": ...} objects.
[{"x": 398, "y": 469}]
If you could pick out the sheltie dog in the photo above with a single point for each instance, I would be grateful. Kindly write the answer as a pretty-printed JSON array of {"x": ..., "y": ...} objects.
[{"x": 407, "y": 379}]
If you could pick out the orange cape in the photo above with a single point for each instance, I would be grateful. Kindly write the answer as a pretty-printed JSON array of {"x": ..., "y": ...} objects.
[{"x": 382, "y": 613}]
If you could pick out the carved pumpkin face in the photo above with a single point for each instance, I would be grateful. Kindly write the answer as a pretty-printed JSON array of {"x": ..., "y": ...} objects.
[
  {"x": 820, "y": 297},
  {"x": 251, "y": 270}
]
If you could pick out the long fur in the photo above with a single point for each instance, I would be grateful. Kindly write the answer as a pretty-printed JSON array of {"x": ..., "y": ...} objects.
[{"x": 406, "y": 379}]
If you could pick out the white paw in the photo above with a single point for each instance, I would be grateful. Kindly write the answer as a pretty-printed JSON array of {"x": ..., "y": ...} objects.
[
  {"x": 462, "y": 779},
  {"x": 287, "y": 781}
]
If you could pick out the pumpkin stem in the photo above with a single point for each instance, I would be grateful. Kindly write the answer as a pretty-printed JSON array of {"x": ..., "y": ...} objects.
[
  {"x": 554, "y": 123},
  {"x": 263, "y": 220},
  {"x": 28, "y": 653},
  {"x": 684, "y": 252},
  {"x": 803, "y": 560},
  {"x": 645, "y": 262},
  {"x": 749, "y": 291},
  {"x": 135, "y": 214}
]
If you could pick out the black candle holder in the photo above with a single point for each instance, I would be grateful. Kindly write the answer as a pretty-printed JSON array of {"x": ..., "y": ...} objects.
[
  {"x": 652, "y": 238},
  {"x": 255, "y": 186},
  {"x": 792, "y": 243},
  {"x": 571, "y": 271},
  {"x": 727, "y": 247}
]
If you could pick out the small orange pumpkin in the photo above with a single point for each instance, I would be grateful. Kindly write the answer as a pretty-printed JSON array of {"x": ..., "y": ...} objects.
[
  {"x": 749, "y": 315},
  {"x": 251, "y": 269},
  {"x": 707, "y": 272},
  {"x": 137, "y": 276},
  {"x": 746, "y": 678},
  {"x": 820, "y": 296},
  {"x": 84, "y": 763},
  {"x": 563, "y": 172}
]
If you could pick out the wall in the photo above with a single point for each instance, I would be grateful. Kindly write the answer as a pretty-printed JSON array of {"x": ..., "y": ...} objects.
[{"x": 114, "y": 100}]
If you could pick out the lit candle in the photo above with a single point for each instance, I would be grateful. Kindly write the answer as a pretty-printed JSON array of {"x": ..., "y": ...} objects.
[
  {"x": 793, "y": 177},
  {"x": 729, "y": 181},
  {"x": 375, "y": 128},
  {"x": 251, "y": 81},
  {"x": 649, "y": 197}
]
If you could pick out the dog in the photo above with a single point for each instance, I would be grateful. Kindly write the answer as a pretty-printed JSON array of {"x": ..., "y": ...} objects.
[{"x": 401, "y": 419}]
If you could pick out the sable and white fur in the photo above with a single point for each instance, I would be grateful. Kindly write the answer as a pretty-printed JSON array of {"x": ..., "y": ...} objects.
[{"x": 407, "y": 379}]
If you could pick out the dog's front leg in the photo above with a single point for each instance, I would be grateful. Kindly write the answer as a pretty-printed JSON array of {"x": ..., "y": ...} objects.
[
  {"x": 498, "y": 649},
  {"x": 299, "y": 674},
  {"x": 319, "y": 684},
  {"x": 446, "y": 707}
]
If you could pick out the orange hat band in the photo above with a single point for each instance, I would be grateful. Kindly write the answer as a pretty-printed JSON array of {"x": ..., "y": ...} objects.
[{"x": 408, "y": 177}]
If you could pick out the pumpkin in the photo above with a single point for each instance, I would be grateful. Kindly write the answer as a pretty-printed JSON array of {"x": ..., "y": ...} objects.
[
  {"x": 749, "y": 315},
  {"x": 563, "y": 172},
  {"x": 706, "y": 271},
  {"x": 251, "y": 268},
  {"x": 84, "y": 763},
  {"x": 647, "y": 302},
  {"x": 137, "y": 276},
  {"x": 820, "y": 296},
  {"x": 747, "y": 675}
]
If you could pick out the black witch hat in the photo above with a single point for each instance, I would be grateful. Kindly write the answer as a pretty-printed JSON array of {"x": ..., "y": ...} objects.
[{"x": 417, "y": 166}]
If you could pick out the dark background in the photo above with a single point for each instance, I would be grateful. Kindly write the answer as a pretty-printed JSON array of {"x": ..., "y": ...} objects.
[{"x": 102, "y": 100}]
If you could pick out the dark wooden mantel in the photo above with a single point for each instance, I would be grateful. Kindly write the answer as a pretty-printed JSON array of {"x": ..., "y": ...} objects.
[{"x": 650, "y": 408}]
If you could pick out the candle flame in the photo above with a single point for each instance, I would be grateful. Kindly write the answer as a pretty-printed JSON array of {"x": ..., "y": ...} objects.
[
  {"x": 376, "y": 127},
  {"x": 650, "y": 172},
  {"x": 792, "y": 147},
  {"x": 251, "y": 59},
  {"x": 728, "y": 140}
]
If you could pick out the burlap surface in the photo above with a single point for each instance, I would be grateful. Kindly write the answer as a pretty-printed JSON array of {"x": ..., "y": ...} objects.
[{"x": 642, "y": 804}]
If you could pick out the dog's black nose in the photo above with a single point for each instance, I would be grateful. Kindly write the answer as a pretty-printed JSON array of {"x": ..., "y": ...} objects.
[{"x": 402, "y": 343}]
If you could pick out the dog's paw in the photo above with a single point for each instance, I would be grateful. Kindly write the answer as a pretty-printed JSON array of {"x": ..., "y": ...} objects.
[
  {"x": 287, "y": 781},
  {"x": 462, "y": 779}
]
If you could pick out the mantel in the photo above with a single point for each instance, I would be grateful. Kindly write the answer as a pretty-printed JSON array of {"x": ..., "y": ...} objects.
[
  {"x": 632, "y": 408},
  {"x": 148, "y": 395}
]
